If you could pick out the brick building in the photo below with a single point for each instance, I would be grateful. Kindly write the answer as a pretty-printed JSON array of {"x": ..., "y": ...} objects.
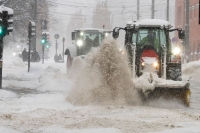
[{"x": 194, "y": 28}]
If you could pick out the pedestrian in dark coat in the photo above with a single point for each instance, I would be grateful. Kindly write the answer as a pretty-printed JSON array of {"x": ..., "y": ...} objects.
[{"x": 24, "y": 55}]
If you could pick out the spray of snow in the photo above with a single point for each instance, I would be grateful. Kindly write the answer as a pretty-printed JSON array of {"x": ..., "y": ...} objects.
[
  {"x": 146, "y": 82},
  {"x": 104, "y": 79},
  {"x": 77, "y": 65}
]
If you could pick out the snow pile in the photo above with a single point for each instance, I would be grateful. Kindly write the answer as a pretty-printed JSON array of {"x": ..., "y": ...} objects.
[
  {"x": 191, "y": 71},
  {"x": 104, "y": 79},
  {"x": 191, "y": 68},
  {"x": 6, "y": 94},
  {"x": 48, "y": 74},
  {"x": 50, "y": 79}
]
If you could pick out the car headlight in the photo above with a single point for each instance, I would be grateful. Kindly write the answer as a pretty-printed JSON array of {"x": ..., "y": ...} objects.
[
  {"x": 14, "y": 54},
  {"x": 79, "y": 43},
  {"x": 176, "y": 51}
]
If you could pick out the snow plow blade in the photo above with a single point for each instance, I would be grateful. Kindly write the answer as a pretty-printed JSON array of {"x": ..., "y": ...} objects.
[{"x": 173, "y": 90}]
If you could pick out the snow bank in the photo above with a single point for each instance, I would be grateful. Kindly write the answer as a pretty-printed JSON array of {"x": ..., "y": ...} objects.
[
  {"x": 104, "y": 79},
  {"x": 6, "y": 94},
  {"x": 191, "y": 67}
]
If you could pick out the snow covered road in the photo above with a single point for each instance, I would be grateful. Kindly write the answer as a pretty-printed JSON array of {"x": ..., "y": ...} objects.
[{"x": 35, "y": 102}]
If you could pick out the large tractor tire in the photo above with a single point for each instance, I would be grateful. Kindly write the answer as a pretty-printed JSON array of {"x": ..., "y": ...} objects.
[{"x": 69, "y": 63}]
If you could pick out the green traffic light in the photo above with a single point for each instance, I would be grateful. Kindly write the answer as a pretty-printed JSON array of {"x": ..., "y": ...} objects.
[
  {"x": 47, "y": 46},
  {"x": 43, "y": 41},
  {"x": 1, "y": 30}
]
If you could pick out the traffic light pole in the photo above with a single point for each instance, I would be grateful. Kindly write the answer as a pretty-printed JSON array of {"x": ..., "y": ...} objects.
[
  {"x": 45, "y": 36},
  {"x": 43, "y": 54},
  {"x": 63, "y": 48},
  {"x": 1, "y": 61},
  {"x": 56, "y": 46}
]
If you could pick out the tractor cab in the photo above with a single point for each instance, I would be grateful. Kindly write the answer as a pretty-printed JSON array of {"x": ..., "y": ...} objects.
[
  {"x": 149, "y": 48},
  {"x": 83, "y": 40}
]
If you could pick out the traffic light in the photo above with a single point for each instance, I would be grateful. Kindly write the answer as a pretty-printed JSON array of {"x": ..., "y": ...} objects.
[
  {"x": 31, "y": 29},
  {"x": 43, "y": 40},
  {"x": 1, "y": 30},
  {"x": 47, "y": 45},
  {"x": 7, "y": 21},
  {"x": 1, "y": 22}
]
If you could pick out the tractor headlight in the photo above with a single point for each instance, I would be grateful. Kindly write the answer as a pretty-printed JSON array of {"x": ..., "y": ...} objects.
[
  {"x": 155, "y": 64},
  {"x": 79, "y": 43},
  {"x": 81, "y": 33},
  {"x": 106, "y": 34},
  {"x": 143, "y": 64},
  {"x": 176, "y": 51}
]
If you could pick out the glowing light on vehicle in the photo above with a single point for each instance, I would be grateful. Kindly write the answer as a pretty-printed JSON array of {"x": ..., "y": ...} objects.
[
  {"x": 17, "y": 46},
  {"x": 143, "y": 64},
  {"x": 79, "y": 43},
  {"x": 176, "y": 51},
  {"x": 106, "y": 34},
  {"x": 81, "y": 33},
  {"x": 155, "y": 64},
  {"x": 14, "y": 54}
]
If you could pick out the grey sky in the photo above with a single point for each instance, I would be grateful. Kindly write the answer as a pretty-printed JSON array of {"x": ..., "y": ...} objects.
[{"x": 121, "y": 12}]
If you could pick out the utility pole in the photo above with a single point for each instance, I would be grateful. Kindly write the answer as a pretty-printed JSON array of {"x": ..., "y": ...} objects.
[
  {"x": 138, "y": 9},
  {"x": 1, "y": 60},
  {"x": 63, "y": 48},
  {"x": 152, "y": 9},
  {"x": 167, "y": 10},
  {"x": 187, "y": 27},
  {"x": 35, "y": 18}
]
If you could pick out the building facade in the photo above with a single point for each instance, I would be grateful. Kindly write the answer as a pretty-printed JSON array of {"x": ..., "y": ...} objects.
[{"x": 193, "y": 52}]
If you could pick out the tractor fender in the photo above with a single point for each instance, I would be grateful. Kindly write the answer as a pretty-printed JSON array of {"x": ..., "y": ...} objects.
[{"x": 72, "y": 50}]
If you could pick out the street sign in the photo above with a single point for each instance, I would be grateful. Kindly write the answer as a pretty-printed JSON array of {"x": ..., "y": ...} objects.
[
  {"x": 174, "y": 40},
  {"x": 56, "y": 36}
]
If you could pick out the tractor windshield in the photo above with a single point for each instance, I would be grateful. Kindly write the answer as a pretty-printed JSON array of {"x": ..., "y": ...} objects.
[
  {"x": 85, "y": 40},
  {"x": 150, "y": 36}
]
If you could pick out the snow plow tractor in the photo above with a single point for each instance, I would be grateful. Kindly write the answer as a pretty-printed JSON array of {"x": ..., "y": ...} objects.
[
  {"x": 150, "y": 55},
  {"x": 82, "y": 41}
]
